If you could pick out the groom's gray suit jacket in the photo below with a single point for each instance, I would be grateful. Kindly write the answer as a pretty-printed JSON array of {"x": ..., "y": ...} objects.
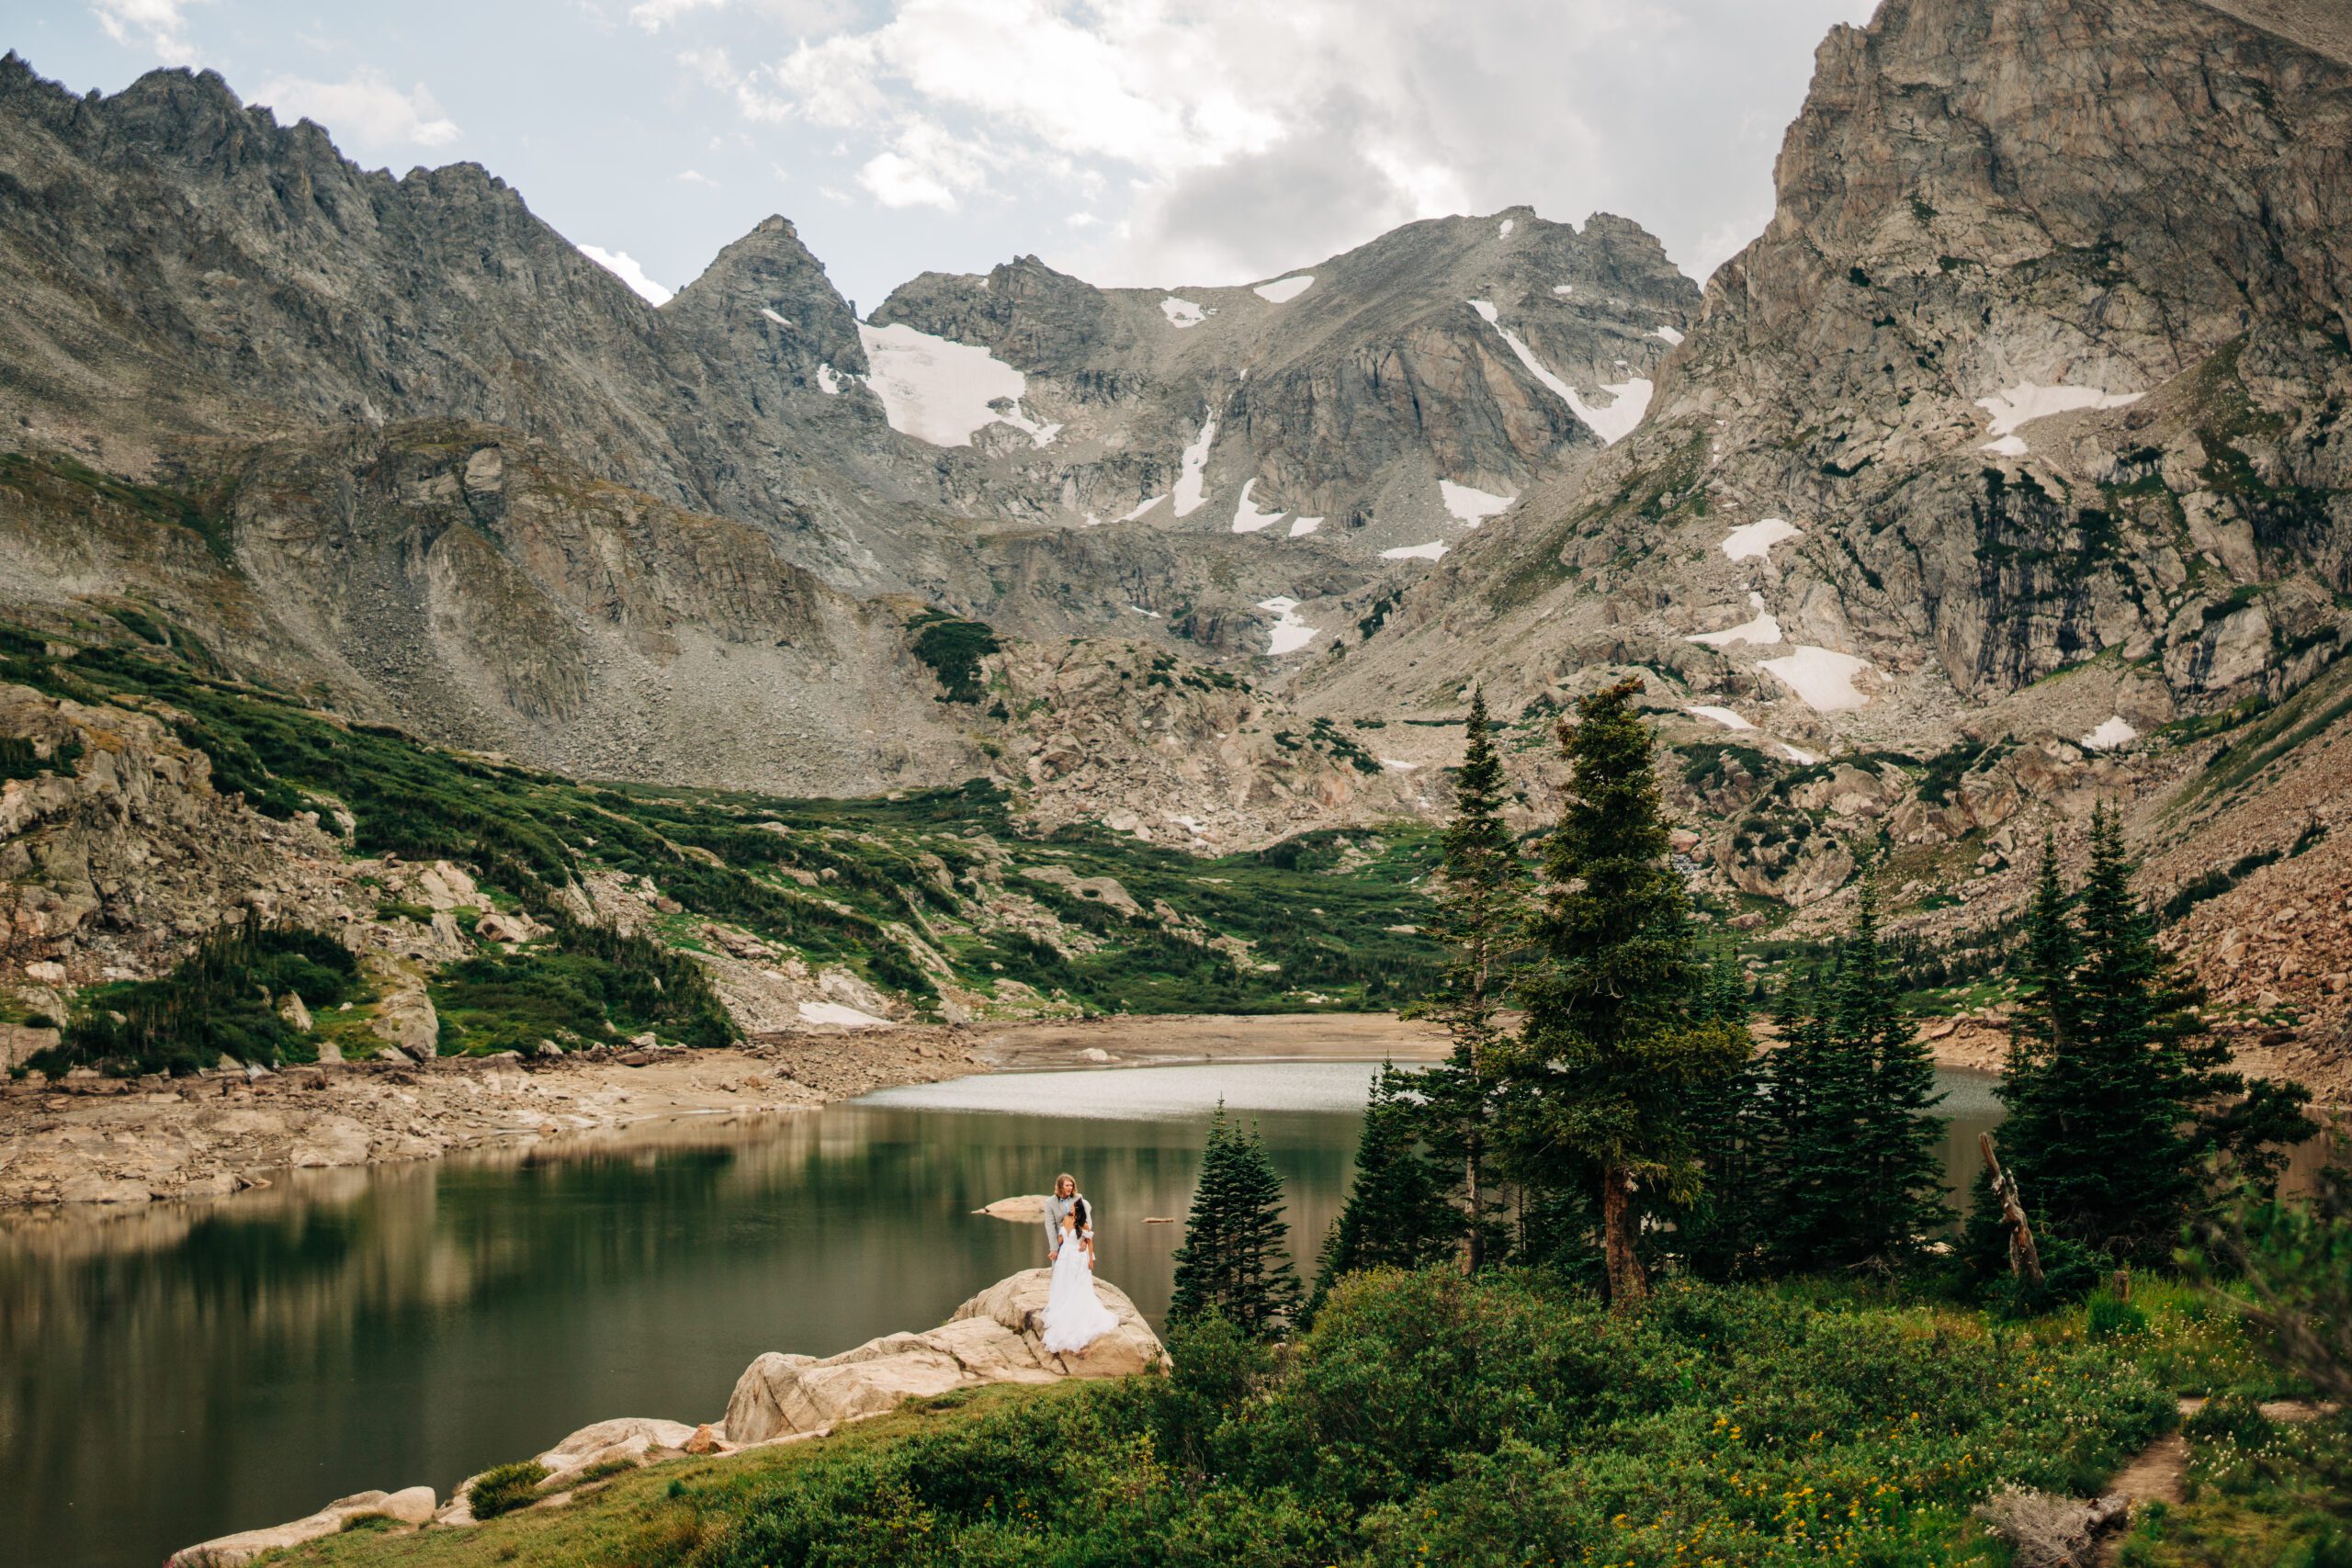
[{"x": 1055, "y": 1208}]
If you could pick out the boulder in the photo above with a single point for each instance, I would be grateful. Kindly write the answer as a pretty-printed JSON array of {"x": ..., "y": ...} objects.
[
  {"x": 19, "y": 1043},
  {"x": 994, "y": 1338},
  {"x": 1027, "y": 1209},
  {"x": 412, "y": 1506},
  {"x": 508, "y": 928},
  {"x": 629, "y": 1437},
  {"x": 290, "y": 1008},
  {"x": 405, "y": 1019}
]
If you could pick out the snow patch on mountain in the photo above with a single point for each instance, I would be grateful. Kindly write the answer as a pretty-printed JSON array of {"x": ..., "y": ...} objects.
[
  {"x": 1183, "y": 312},
  {"x": 1283, "y": 290},
  {"x": 1290, "y": 633},
  {"x": 1724, "y": 716},
  {"x": 1472, "y": 506},
  {"x": 1302, "y": 526},
  {"x": 2026, "y": 402},
  {"x": 941, "y": 392},
  {"x": 2114, "y": 732},
  {"x": 1822, "y": 678},
  {"x": 1145, "y": 505},
  {"x": 1508, "y": 224},
  {"x": 1247, "y": 518},
  {"x": 1629, "y": 398},
  {"x": 1754, "y": 541},
  {"x": 831, "y": 381},
  {"x": 1188, "y": 494},
  {"x": 1669, "y": 333},
  {"x": 1433, "y": 551},
  {"x": 1763, "y": 631}
]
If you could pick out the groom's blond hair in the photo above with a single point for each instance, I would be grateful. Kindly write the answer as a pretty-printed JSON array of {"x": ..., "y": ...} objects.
[{"x": 1065, "y": 1176}]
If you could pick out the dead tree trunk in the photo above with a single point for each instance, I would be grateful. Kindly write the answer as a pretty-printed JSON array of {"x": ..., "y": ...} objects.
[{"x": 2024, "y": 1261}]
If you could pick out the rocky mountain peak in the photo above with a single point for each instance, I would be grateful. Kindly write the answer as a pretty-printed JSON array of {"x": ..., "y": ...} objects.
[{"x": 768, "y": 287}]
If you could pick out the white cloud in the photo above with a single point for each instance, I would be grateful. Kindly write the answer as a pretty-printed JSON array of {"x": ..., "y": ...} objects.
[
  {"x": 1250, "y": 139},
  {"x": 159, "y": 25},
  {"x": 925, "y": 166},
  {"x": 696, "y": 177},
  {"x": 655, "y": 14},
  {"x": 364, "y": 110},
  {"x": 622, "y": 265}
]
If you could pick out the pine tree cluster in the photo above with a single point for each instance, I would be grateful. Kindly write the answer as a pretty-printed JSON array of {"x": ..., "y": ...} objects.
[{"x": 1628, "y": 1120}]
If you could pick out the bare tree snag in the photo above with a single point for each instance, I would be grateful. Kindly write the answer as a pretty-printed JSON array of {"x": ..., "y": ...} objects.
[{"x": 2025, "y": 1261}]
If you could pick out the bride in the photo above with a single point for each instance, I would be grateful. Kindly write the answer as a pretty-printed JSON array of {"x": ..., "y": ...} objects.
[{"x": 1075, "y": 1317}]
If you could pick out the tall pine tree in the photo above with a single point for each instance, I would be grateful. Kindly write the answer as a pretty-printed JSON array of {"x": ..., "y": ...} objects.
[
  {"x": 2118, "y": 1094},
  {"x": 1897, "y": 1189},
  {"x": 1721, "y": 1234},
  {"x": 1236, "y": 1259},
  {"x": 1816, "y": 1094},
  {"x": 1479, "y": 916},
  {"x": 1611, "y": 1054},
  {"x": 1397, "y": 1214}
]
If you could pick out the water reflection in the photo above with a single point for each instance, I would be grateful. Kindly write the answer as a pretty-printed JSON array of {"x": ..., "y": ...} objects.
[{"x": 174, "y": 1372}]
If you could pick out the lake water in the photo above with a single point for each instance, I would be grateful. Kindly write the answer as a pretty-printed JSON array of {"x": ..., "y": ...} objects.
[{"x": 179, "y": 1372}]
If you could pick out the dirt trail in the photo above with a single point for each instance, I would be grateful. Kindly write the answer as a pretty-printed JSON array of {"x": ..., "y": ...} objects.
[{"x": 2155, "y": 1476}]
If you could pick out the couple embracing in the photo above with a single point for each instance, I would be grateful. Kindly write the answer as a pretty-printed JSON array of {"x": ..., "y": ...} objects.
[{"x": 1075, "y": 1316}]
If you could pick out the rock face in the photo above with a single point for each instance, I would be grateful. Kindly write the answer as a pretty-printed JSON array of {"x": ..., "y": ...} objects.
[
  {"x": 121, "y": 850},
  {"x": 2038, "y": 360},
  {"x": 1320, "y": 410},
  {"x": 2008, "y": 443},
  {"x": 994, "y": 1337}
]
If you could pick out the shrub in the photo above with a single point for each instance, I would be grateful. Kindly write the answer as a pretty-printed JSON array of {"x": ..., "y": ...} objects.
[
  {"x": 505, "y": 1488},
  {"x": 216, "y": 1001},
  {"x": 1494, "y": 1420}
]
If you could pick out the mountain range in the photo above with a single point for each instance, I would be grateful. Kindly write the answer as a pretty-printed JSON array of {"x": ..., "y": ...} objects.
[{"x": 2004, "y": 473}]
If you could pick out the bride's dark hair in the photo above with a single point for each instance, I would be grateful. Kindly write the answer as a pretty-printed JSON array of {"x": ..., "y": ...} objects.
[{"x": 1080, "y": 1215}]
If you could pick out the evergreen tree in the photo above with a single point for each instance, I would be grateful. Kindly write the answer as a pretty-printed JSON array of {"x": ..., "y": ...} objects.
[
  {"x": 1234, "y": 1260},
  {"x": 1897, "y": 1193},
  {"x": 2119, "y": 1095},
  {"x": 1478, "y": 918},
  {"x": 1860, "y": 1168},
  {"x": 1596, "y": 1084},
  {"x": 1816, "y": 1095},
  {"x": 1397, "y": 1214},
  {"x": 2041, "y": 1032},
  {"x": 1721, "y": 1233}
]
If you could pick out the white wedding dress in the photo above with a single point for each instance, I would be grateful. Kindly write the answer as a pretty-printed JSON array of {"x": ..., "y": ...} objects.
[{"x": 1075, "y": 1316}]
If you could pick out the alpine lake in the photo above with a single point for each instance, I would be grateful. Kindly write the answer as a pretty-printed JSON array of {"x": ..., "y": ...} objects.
[{"x": 181, "y": 1371}]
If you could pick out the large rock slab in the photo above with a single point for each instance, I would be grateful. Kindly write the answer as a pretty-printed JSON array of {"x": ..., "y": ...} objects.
[
  {"x": 994, "y": 1338},
  {"x": 411, "y": 1506}
]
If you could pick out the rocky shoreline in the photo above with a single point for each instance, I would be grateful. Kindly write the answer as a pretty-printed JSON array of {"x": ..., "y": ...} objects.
[
  {"x": 127, "y": 1141},
  {"x": 997, "y": 1336}
]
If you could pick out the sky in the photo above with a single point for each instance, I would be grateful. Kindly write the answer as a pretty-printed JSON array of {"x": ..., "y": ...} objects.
[{"x": 1129, "y": 141}]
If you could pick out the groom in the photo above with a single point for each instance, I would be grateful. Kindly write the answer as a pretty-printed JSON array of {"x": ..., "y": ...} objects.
[{"x": 1056, "y": 1207}]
